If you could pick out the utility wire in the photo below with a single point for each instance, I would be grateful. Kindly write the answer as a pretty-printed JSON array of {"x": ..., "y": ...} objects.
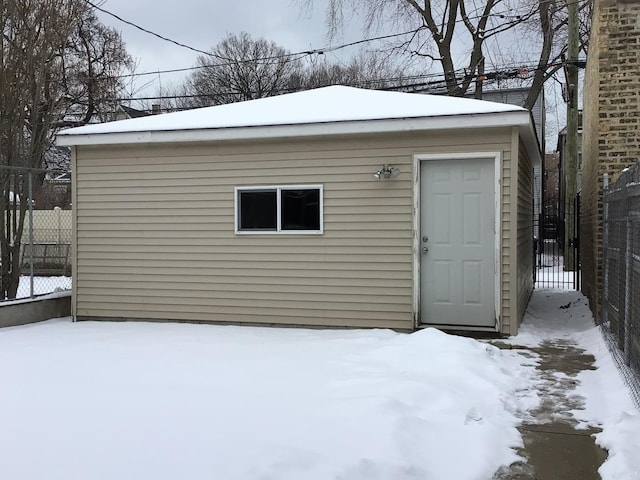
[
  {"x": 211, "y": 54},
  {"x": 301, "y": 54},
  {"x": 142, "y": 29},
  {"x": 506, "y": 72}
]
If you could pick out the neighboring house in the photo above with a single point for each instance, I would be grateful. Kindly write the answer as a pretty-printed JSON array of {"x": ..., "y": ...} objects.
[
  {"x": 549, "y": 218},
  {"x": 115, "y": 113},
  {"x": 335, "y": 207},
  {"x": 119, "y": 112},
  {"x": 60, "y": 178},
  {"x": 562, "y": 151},
  {"x": 517, "y": 96},
  {"x": 128, "y": 112},
  {"x": 611, "y": 120},
  {"x": 551, "y": 184},
  {"x": 567, "y": 230}
]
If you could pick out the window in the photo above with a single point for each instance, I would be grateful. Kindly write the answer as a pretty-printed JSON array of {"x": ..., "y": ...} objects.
[{"x": 287, "y": 209}]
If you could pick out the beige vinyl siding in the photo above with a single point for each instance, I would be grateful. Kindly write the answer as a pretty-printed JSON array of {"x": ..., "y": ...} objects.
[
  {"x": 506, "y": 247},
  {"x": 525, "y": 230},
  {"x": 155, "y": 230}
]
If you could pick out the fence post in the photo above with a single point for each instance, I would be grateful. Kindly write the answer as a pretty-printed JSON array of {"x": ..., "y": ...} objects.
[
  {"x": 627, "y": 291},
  {"x": 58, "y": 211},
  {"x": 605, "y": 246},
  {"x": 576, "y": 242},
  {"x": 30, "y": 204}
]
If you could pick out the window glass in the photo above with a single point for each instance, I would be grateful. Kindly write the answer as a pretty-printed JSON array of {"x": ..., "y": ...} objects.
[
  {"x": 279, "y": 209},
  {"x": 300, "y": 209},
  {"x": 257, "y": 210}
]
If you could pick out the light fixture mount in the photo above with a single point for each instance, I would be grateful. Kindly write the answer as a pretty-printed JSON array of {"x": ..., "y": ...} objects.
[{"x": 386, "y": 172}]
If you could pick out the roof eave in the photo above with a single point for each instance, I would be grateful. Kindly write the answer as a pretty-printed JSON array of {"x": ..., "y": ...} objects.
[{"x": 482, "y": 120}]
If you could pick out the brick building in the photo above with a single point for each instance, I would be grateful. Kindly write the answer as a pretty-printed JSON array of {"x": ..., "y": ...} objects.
[{"x": 610, "y": 124}]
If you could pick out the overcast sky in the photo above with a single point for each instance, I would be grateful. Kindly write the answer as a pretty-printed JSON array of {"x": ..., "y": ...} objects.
[{"x": 203, "y": 23}]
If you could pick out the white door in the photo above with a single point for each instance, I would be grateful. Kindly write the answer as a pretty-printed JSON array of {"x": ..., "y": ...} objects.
[{"x": 457, "y": 242}]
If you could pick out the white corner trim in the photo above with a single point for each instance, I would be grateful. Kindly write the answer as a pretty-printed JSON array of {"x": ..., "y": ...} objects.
[
  {"x": 74, "y": 234},
  {"x": 497, "y": 193},
  {"x": 416, "y": 240}
]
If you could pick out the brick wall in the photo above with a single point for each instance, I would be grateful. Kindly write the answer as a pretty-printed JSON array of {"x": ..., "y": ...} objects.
[{"x": 611, "y": 122}]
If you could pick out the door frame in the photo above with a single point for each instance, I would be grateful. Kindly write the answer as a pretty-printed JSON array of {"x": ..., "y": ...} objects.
[{"x": 417, "y": 162}]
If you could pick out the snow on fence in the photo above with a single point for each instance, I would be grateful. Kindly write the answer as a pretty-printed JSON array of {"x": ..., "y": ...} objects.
[{"x": 621, "y": 272}]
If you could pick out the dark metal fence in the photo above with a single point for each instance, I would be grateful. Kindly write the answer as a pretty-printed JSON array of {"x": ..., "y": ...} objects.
[
  {"x": 557, "y": 244},
  {"x": 621, "y": 270},
  {"x": 35, "y": 235}
]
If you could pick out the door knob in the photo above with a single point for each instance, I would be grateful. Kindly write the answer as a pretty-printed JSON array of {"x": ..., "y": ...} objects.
[{"x": 425, "y": 249}]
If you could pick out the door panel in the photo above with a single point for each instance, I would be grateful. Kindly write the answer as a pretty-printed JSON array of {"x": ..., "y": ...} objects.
[{"x": 457, "y": 223}]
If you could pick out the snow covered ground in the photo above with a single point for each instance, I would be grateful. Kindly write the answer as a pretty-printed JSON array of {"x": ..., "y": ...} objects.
[
  {"x": 137, "y": 400},
  {"x": 609, "y": 405},
  {"x": 42, "y": 285},
  {"x": 164, "y": 401},
  {"x": 554, "y": 277},
  {"x": 554, "y": 314}
]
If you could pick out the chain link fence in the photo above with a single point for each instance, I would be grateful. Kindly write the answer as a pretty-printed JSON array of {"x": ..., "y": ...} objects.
[
  {"x": 621, "y": 274},
  {"x": 35, "y": 237}
]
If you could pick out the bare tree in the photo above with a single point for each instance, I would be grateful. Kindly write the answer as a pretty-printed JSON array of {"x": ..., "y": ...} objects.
[
  {"x": 33, "y": 31},
  {"x": 444, "y": 28},
  {"x": 225, "y": 81},
  {"x": 241, "y": 68},
  {"x": 48, "y": 72},
  {"x": 550, "y": 28},
  {"x": 175, "y": 97},
  {"x": 93, "y": 61},
  {"x": 367, "y": 69}
]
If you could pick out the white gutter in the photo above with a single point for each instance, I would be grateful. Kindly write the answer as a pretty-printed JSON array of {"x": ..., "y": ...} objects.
[{"x": 519, "y": 118}]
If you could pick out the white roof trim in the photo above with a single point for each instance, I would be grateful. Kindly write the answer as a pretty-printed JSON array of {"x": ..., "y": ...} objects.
[{"x": 517, "y": 118}]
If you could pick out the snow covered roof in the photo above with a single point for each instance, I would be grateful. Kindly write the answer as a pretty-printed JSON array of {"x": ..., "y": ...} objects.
[{"x": 334, "y": 109}]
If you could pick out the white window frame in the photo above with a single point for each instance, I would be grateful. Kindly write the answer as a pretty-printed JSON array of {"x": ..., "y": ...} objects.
[{"x": 278, "y": 189}]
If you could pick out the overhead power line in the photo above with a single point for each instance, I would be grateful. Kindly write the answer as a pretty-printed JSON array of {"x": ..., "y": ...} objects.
[
  {"x": 299, "y": 55},
  {"x": 319, "y": 51},
  {"x": 142, "y": 29},
  {"x": 429, "y": 81}
]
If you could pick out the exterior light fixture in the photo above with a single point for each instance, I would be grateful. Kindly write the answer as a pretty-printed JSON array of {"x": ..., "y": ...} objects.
[{"x": 386, "y": 172}]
